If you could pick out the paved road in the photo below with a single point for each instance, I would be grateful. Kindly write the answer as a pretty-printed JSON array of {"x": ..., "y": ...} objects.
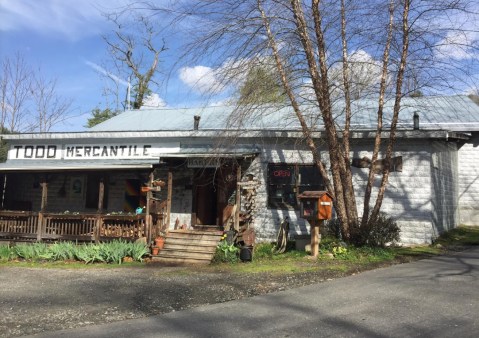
[{"x": 430, "y": 298}]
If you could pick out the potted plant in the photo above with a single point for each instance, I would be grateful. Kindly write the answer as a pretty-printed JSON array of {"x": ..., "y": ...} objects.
[
  {"x": 155, "y": 250},
  {"x": 160, "y": 240}
]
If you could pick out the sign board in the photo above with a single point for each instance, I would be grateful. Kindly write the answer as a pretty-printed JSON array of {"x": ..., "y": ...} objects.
[
  {"x": 203, "y": 163},
  {"x": 91, "y": 151}
]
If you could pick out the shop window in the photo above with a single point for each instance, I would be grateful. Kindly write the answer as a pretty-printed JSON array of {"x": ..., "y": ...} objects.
[
  {"x": 93, "y": 190},
  {"x": 287, "y": 181}
]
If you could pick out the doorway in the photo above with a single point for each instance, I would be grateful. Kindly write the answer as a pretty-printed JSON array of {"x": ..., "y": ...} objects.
[{"x": 204, "y": 197}]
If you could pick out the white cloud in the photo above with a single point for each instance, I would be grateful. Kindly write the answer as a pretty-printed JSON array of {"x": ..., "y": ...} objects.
[
  {"x": 458, "y": 45},
  {"x": 71, "y": 18},
  {"x": 153, "y": 101},
  {"x": 201, "y": 79},
  {"x": 106, "y": 73}
]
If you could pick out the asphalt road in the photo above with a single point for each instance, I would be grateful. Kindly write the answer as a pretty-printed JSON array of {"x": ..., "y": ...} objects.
[{"x": 429, "y": 298}]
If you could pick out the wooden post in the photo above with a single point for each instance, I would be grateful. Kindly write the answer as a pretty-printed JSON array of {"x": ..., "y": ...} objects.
[
  {"x": 96, "y": 230},
  {"x": 99, "y": 219},
  {"x": 148, "y": 222},
  {"x": 238, "y": 197},
  {"x": 315, "y": 238},
  {"x": 168, "y": 199},
  {"x": 101, "y": 194},
  {"x": 43, "y": 207}
]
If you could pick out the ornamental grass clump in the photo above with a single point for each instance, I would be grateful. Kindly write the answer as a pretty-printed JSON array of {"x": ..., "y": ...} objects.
[{"x": 6, "y": 253}]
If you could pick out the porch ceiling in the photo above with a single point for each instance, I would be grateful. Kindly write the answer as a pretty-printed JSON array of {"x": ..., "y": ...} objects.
[{"x": 74, "y": 165}]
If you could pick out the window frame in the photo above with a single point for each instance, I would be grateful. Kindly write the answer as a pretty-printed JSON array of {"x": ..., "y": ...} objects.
[{"x": 283, "y": 190}]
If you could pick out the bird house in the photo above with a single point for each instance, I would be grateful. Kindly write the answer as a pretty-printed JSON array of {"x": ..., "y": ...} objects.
[{"x": 316, "y": 205}]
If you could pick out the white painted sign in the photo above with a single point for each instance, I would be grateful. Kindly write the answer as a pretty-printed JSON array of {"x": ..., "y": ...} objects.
[
  {"x": 91, "y": 151},
  {"x": 203, "y": 163}
]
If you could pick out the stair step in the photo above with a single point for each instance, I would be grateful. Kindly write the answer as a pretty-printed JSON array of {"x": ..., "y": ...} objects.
[
  {"x": 185, "y": 254},
  {"x": 179, "y": 260},
  {"x": 190, "y": 247},
  {"x": 189, "y": 241},
  {"x": 197, "y": 232}
]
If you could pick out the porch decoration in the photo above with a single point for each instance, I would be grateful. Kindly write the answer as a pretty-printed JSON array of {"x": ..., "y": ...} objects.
[
  {"x": 155, "y": 250},
  {"x": 160, "y": 242}
]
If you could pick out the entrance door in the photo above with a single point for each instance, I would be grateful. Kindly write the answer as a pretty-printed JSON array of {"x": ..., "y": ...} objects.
[{"x": 204, "y": 197}]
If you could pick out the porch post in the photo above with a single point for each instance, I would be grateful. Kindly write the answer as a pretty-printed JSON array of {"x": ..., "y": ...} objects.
[
  {"x": 43, "y": 206},
  {"x": 101, "y": 194},
  {"x": 148, "y": 221},
  {"x": 168, "y": 199},
  {"x": 238, "y": 197}
]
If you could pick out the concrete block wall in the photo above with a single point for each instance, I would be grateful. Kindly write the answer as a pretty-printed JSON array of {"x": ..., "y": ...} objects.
[
  {"x": 407, "y": 198},
  {"x": 444, "y": 175},
  {"x": 468, "y": 178}
]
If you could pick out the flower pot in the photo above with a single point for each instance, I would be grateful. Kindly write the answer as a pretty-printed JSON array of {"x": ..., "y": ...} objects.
[
  {"x": 160, "y": 242},
  {"x": 246, "y": 253},
  {"x": 155, "y": 250}
]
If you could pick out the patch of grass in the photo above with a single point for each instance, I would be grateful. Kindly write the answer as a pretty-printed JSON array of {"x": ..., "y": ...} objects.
[{"x": 463, "y": 235}]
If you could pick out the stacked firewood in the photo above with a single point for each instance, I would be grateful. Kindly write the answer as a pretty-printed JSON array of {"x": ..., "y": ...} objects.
[{"x": 248, "y": 211}]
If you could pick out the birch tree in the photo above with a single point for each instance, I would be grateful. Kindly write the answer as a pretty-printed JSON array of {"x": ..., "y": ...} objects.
[{"x": 311, "y": 40}]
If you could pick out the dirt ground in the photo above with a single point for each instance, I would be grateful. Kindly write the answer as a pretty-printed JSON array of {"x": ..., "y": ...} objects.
[{"x": 35, "y": 300}]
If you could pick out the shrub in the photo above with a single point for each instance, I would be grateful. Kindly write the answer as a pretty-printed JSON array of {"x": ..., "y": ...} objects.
[
  {"x": 226, "y": 253},
  {"x": 137, "y": 251},
  {"x": 31, "y": 251},
  {"x": 331, "y": 228},
  {"x": 6, "y": 252},
  {"x": 380, "y": 232},
  {"x": 263, "y": 250}
]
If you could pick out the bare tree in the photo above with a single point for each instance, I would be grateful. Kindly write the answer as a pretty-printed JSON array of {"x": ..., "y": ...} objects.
[
  {"x": 49, "y": 108},
  {"x": 135, "y": 48},
  {"x": 15, "y": 81},
  {"x": 28, "y": 100},
  {"x": 312, "y": 44}
]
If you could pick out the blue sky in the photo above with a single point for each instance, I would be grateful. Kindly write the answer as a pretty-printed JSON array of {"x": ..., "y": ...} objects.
[{"x": 64, "y": 39}]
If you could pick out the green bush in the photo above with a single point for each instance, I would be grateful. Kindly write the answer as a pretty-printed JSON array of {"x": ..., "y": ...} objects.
[
  {"x": 6, "y": 252},
  {"x": 109, "y": 252},
  {"x": 33, "y": 251},
  {"x": 226, "y": 253},
  {"x": 137, "y": 251},
  {"x": 380, "y": 232},
  {"x": 263, "y": 250}
]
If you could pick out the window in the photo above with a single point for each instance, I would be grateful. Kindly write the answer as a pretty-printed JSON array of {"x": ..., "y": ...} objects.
[{"x": 286, "y": 181}]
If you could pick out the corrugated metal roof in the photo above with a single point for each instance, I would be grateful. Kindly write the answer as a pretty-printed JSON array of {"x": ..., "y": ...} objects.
[{"x": 455, "y": 113}]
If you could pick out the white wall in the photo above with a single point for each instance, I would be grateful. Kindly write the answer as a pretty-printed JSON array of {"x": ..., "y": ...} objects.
[
  {"x": 468, "y": 173},
  {"x": 409, "y": 195}
]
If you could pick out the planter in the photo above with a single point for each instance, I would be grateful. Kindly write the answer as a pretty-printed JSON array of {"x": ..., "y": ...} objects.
[
  {"x": 246, "y": 253},
  {"x": 155, "y": 250},
  {"x": 160, "y": 242}
]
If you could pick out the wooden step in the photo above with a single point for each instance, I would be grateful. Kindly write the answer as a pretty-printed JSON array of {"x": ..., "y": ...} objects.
[{"x": 189, "y": 247}]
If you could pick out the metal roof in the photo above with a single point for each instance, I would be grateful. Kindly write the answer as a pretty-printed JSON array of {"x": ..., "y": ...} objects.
[{"x": 454, "y": 113}]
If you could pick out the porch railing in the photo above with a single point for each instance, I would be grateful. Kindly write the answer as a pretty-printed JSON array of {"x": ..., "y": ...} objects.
[{"x": 82, "y": 227}]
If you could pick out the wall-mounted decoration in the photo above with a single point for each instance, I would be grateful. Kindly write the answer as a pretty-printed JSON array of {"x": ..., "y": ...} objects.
[
  {"x": 76, "y": 186},
  {"x": 378, "y": 166}
]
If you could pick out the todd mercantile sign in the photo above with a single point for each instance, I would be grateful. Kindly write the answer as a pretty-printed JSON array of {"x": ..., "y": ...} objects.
[{"x": 90, "y": 151}]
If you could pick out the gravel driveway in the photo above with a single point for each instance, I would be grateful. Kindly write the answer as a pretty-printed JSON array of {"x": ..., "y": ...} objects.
[{"x": 36, "y": 300}]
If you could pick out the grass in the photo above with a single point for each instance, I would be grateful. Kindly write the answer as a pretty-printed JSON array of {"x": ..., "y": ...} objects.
[
  {"x": 460, "y": 236},
  {"x": 349, "y": 259}
]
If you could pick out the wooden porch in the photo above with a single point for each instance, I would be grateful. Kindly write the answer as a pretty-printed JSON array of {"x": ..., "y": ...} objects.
[{"x": 24, "y": 225}]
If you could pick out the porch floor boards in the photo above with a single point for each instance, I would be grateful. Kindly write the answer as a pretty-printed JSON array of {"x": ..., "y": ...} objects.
[{"x": 189, "y": 246}]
